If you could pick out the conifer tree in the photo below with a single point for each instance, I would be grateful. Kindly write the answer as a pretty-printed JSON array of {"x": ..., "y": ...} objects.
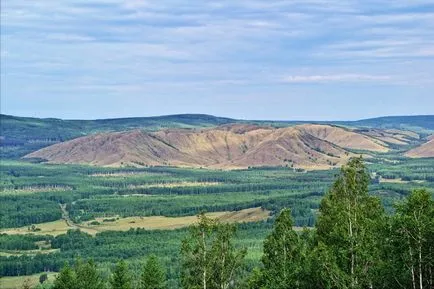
[
  {"x": 153, "y": 276},
  {"x": 66, "y": 279},
  {"x": 87, "y": 275},
  {"x": 121, "y": 278}
]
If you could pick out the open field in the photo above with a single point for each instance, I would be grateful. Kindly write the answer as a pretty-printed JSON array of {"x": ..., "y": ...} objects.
[
  {"x": 49, "y": 228},
  {"x": 175, "y": 185},
  {"x": 149, "y": 223},
  {"x": 17, "y": 282},
  {"x": 33, "y": 190},
  {"x": 27, "y": 252}
]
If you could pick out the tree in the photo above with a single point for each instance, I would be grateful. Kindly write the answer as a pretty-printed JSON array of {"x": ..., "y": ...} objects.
[
  {"x": 282, "y": 255},
  {"x": 87, "y": 275},
  {"x": 43, "y": 278},
  {"x": 350, "y": 225},
  {"x": 256, "y": 279},
  {"x": 153, "y": 276},
  {"x": 412, "y": 238},
  {"x": 323, "y": 269},
  {"x": 195, "y": 251},
  {"x": 66, "y": 279},
  {"x": 225, "y": 258},
  {"x": 209, "y": 258},
  {"x": 121, "y": 278}
]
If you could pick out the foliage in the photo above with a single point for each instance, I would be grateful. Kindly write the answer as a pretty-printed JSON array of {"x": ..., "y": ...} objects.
[
  {"x": 121, "y": 278},
  {"x": 153, "y": 275},
  {"x": 349, "y": 225},
  {"x": 282, "y": 254},
  {"x": 209, "y": 259}
]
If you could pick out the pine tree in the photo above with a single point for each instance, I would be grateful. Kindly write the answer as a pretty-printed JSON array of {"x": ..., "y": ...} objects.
[
  {"x": 66, "y": 279},
  {"x": 153, "y": 276},
  {"x": 121, "y": 278},
  {"x": 87, "y": 275},
  {"x": 350, "y": 225}
]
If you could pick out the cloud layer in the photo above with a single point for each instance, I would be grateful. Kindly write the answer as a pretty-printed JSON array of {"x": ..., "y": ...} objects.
[{"x": 68, "y": 52}]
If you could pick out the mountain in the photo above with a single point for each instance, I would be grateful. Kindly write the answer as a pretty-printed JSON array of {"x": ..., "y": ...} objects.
[
  {"x": 425, "y": 150},
  {"x": 391, "y": 136},
  {"x": 22, "y": 135},
  {"x": 227, "y": 146},
  {"x": 417, "y": 123}
]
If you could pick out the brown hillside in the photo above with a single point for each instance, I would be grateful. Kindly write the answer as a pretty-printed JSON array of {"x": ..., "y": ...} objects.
[
  {"x": 391, "y": 136},
  {"x": 345, "y": 138},
  {"x": 229, "y": 146},
  {"x": 425, "y": 150}
]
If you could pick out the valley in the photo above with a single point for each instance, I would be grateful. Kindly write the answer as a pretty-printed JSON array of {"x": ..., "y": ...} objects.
[{"x": 129, "y": 192}]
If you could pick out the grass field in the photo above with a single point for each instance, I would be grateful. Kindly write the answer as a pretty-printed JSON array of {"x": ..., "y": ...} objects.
[
  {"x": 150, "y": 223},
  {"x": 17, "y": 282}
]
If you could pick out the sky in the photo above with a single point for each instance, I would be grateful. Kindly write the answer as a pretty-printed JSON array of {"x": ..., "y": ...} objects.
[{"x": 248, "y": 59}]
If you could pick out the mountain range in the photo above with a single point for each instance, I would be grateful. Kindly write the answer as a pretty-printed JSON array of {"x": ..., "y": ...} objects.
[{"x": 212, "y": 142}]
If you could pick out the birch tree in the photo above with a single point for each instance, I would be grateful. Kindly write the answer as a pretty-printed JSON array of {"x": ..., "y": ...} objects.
[
  {"x": 209, "y": 258},
  {"x": 349, "y": 226},
  {"x": 413, "y": 239}
]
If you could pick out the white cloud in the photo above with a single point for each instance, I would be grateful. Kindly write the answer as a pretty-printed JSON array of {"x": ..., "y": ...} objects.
[{"x": 334, "y": 78}]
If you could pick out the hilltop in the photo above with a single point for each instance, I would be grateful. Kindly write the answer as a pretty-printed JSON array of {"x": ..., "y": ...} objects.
[
  {"x": 22, "y": 135},
  {"x": 228, "y": 146},
  {"x": 426, "y": 150}
]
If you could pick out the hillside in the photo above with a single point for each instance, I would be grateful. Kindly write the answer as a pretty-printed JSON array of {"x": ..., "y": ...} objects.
[
  {"x": 391, "y": 136},
  {"x": 425, "y": 150},
  {"x": 22, "y": 135},
  {"x": 228, "y": 146},
  {"x": 418, "y": 123}
]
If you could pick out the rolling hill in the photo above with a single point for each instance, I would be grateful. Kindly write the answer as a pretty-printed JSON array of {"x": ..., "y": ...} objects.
[
  {"x": 22, "y": 135},
  {"x": 227, "y": 146},
  {"x": 425, "y": 150}
]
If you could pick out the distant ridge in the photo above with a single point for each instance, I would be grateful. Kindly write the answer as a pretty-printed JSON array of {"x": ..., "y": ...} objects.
[
  {"x": 426, "y": 150},
  {"x": 22, "y": 135},
  {"x": 228, "y": 146}
]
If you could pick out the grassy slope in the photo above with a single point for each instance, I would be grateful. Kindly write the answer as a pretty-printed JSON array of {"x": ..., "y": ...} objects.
[
  {"x": 17, "y": 282},
  {"x": 22, "y": 135}
]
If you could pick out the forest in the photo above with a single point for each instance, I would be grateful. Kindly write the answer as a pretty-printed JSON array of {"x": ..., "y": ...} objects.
[
  {"x": 378, "y": 235},
  {"x": 354, "y": 243}
]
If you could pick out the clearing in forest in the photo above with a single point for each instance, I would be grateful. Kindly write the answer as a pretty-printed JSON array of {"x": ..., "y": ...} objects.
[{"x": 151, "y": 223}]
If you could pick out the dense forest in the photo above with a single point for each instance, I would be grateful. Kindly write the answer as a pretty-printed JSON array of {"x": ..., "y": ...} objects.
[{"x": 356, "y": 242}]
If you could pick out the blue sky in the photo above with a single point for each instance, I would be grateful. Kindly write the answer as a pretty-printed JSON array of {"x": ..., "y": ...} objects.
[{"x": 300, "y": 59}]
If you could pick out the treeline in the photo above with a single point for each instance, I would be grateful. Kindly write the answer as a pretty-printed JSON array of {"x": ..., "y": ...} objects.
[
  {"x": 17, "y": 211},
  {"x": 20, "y": 242},
  {"x": 354, "y": 244},
  {"x": 94, "y": 192}
]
